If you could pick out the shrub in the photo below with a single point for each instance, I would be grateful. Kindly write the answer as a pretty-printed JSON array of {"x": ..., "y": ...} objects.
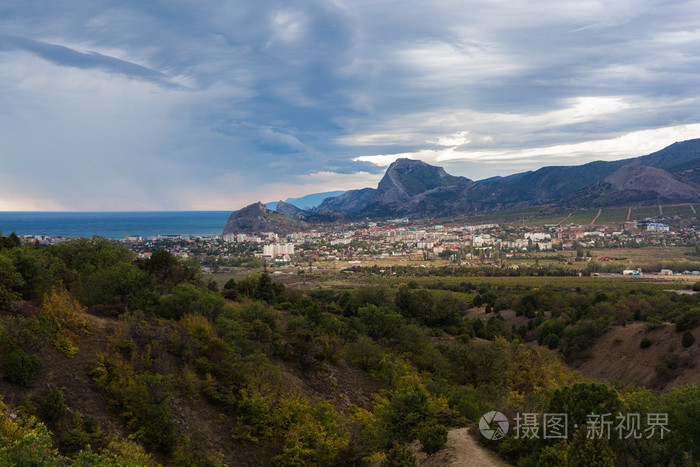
[
  {"x": 157, "y": 430},
  {"x": 65, "y": 345},
  {"x": 26, "y": 407},
  {"x": 84, "y": 433},
  {"x": 579, "y": 337},
  {"x": 407, "y": 409},
  {"x": 432, "y": 438},
  {"x": 688, "y": 320},
  {"x": 687, "y": 340},
  {"x": 644, "y": 343},
  {"x": 667, "y": 363},
  {"x": 64, "y": 313},
  {"x": 399, "y": 456},
  {"x": 54, "y": 405},
  {"x": 20, "y": 367},
  {"x": 188, "y": 299},
  {"x": 551, "y": 341}
]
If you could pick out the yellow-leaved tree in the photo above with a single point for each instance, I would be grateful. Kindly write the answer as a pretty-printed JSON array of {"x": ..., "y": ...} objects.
[{"x": 67, "y": 317}]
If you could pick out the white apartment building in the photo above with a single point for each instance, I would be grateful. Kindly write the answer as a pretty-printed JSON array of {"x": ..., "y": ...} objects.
[{"x": 277, "y": 249}]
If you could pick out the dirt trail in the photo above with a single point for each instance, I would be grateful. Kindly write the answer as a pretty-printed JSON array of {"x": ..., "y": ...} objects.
[
  {"x": 661, "y": 210},
  {"x": 629, "y": 213},
  {"x": 692, "y": 208},
  {"x": 559, "y": 223},
  {"x": 596, "y": 217},
  {"x": 461, "y": 450}
]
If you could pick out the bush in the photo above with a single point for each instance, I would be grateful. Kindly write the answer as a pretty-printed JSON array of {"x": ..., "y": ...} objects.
[
  {"x": 20, "y": 367},
  {"x": 189, "y": 299},
  {"x": 157, "y": 430},
  {"x": 54, "y": 405},
  {"x": 688, "y": 320},
  {"x": 644, "y": 343},
  {"x": 551, "y": 341},
  {"x": 399, "y": 456},
  {"x": 407, "y": 409},
  {"x": 432, "y": 438},
  {"x": 687, "y": 340},
  {"x": 579, "y": 338}
]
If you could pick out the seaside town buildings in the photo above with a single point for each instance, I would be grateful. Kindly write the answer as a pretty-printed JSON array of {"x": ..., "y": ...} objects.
[{"x": 466, "y": 244}]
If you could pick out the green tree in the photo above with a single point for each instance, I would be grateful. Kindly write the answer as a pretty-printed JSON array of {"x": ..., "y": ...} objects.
[
  {"x": 264, "y": 289},
  {"x": 54, "y": 405},
  {"x": 20, "y": 367},
  {"x": 188, "y": 299},
  {"x": 582, "y": 399},
  {"x": 594, "y": 452},
  {"x": 407, "y": 409},
  {"x": 379, "y": 322}
]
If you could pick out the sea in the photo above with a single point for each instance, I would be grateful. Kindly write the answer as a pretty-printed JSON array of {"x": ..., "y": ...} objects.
[{"x": 114, "y": 225}]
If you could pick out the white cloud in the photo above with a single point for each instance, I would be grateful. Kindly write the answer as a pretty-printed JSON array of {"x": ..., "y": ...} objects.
[
  {"x": 288, "y": 25},
  {"x": 456, "y": 139}
]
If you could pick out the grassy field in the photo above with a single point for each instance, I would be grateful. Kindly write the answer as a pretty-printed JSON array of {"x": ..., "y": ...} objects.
[
  {"x": 612, "y": 216},
  {"x": 644, "y": 212},
  {"x": 541, "y": 215},
  {"x": 585, "y": 283},
  {"x": 681, "y": 210},
  {"x": 551, "y": 219}
]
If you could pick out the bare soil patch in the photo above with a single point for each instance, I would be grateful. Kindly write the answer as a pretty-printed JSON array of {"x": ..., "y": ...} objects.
[{"x": 617, "y": 356}]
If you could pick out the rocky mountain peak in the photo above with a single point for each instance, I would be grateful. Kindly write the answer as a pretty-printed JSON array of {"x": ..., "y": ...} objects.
[{"x": 406, "y": 178}]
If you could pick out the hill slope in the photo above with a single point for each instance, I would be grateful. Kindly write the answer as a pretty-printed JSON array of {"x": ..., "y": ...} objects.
[
  {"x": 635, "y": 184},
  {"x": 257, "y": 217}
]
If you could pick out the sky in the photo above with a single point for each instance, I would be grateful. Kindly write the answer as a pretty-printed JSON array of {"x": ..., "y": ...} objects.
[{"x": 212, "y": 105}]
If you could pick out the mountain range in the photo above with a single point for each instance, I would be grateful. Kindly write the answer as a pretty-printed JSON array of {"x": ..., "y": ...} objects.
[{"x": 414, "y": 189}]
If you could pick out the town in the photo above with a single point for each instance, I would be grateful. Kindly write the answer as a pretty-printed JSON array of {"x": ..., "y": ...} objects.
[{"x": 401, "y": 242}]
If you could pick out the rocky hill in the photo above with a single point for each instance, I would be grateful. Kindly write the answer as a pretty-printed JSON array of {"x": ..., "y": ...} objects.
[
  {"x": 258, "y": 218},
  {"x": 406, "y": 178},
  {"x": 635, "y": 184},
  {"x": 290, "y": 210}
]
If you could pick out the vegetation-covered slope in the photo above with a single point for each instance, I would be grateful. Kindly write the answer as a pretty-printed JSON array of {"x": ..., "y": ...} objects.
[{"x": 99, "y": 346}]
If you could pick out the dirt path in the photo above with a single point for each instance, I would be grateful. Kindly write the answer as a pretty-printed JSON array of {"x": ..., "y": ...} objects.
[
  {"x": 692, "y": 208},
  {"x": 661, "y": 210},
  {"x": 629, "y": 213},
  {"x": 559, "y": 223},
  {"x": 461, "y": 450},
  {"x": 596, "y": 217}
]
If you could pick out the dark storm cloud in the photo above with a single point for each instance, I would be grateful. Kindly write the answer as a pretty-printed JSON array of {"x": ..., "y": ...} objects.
[{"x": 230, "y": 101}]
